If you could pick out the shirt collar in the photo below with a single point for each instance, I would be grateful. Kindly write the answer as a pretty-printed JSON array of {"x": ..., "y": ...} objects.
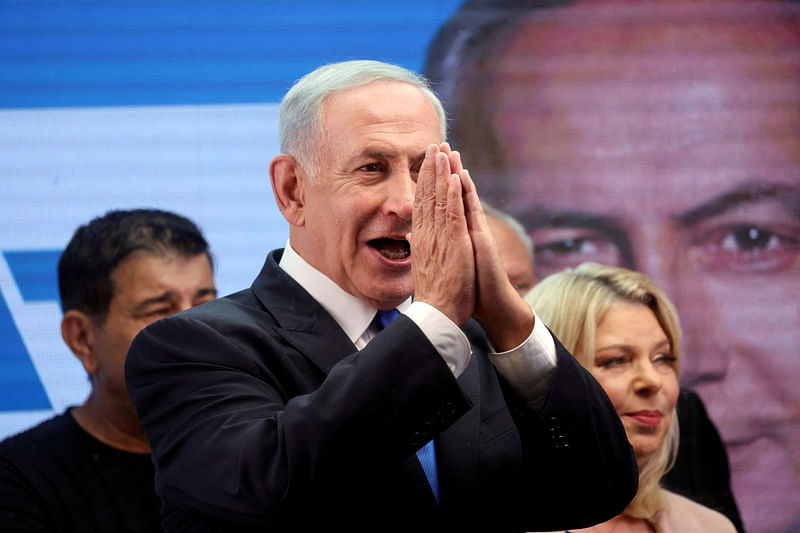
[{"x": 352, "y": 315}]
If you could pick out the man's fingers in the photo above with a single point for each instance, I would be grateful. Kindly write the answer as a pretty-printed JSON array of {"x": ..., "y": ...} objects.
[
  {"x": 472, "y": 204},
  {"x": 442, "y": 187},
  {"x": 426, "y": 189},
  {"x": 455, "y": 162},
  {"x": 455, "y": 205}
]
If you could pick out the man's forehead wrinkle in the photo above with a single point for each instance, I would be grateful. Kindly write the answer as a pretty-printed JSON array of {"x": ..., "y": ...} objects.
[
  {"x": 643, "y": 20},
  {"x": 640, "y": 37}
]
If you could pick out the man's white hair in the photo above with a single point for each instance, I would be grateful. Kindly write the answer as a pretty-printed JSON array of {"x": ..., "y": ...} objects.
[{"x": 300, "y": 120}]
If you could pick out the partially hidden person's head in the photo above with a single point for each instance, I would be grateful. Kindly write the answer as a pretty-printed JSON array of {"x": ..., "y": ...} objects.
[
  {"x": 353, "y": 137},
  {"x": 514, "y": 246},
  {"x": 121, "y": 272},
  {"x": 625, "y": 331},
  {"x": 662, "y": 136}
]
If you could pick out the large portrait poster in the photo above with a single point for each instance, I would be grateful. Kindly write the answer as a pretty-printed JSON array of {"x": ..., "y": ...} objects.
[{"x": 659, "y": 136}]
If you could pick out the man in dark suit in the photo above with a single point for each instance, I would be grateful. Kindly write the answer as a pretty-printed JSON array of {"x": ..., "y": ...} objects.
[{"x": 289, "y": 406}]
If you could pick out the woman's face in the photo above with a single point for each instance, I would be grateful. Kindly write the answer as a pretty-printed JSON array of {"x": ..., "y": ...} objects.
[{"x": 633, "y": 362}]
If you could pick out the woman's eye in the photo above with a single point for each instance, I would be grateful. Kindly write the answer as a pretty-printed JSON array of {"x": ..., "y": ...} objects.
[
  {"x": 610, "y": 362},
  {"x": 665, "y": 358}
]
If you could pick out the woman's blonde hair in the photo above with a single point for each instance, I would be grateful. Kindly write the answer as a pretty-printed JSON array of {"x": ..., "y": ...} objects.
[{"x": 572, "y": 303}]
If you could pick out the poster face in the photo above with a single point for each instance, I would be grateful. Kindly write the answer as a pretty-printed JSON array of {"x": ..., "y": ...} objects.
[
  {"x": 637, "y": 137},
  {"x": 661, "y": 137}
]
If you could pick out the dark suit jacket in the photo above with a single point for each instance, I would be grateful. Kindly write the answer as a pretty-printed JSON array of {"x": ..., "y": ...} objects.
[
  {"x": 260, "y": 411},
  {"x": 701, "y": 471}
]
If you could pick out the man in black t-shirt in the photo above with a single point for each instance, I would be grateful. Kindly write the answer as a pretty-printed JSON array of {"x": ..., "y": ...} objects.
[{"x": 89, "y": 469}]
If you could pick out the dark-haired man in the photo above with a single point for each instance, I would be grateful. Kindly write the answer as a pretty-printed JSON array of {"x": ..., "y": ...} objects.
[{"x": 89, "y": 469}]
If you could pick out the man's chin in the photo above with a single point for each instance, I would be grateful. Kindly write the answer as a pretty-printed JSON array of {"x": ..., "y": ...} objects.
[{"x": 390, "y": 293}]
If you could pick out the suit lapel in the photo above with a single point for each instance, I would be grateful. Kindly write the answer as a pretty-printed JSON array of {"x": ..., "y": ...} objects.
[{"x": 301, "y": 320}]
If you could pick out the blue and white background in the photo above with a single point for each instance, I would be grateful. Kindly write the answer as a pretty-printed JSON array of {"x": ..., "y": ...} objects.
[{"x": 108, "y": 104}]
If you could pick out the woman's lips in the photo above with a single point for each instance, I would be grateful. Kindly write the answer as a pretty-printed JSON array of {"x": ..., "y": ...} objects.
[{"x": 650, "y": 418}]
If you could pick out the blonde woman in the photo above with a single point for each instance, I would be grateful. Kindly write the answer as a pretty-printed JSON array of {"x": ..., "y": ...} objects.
[{"x": 625, "y": 331}]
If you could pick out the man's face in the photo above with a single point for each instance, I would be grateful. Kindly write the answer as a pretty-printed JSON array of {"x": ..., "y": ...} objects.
[
  {"x": 674, "y": 149},
  {"x": 146, "y": 287},
  {"x": 514, "y": 254},
  {"x": 358, "y": 205}
]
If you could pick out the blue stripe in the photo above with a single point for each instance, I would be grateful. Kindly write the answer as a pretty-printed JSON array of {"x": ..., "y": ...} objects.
[
  {"x": 121, "y": 53},
  {"x": 19, "y": 383},
  {"x": 35, "y": 273}
]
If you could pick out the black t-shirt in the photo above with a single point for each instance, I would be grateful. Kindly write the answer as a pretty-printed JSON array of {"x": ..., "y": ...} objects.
[{"x": 57, "y": 477}]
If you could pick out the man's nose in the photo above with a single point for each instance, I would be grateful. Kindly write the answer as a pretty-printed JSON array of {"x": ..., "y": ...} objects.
[
  {"x": 401, "y": 188},
  {"x": 662, "y": 258},
  {"x": 183, "y": 305}
]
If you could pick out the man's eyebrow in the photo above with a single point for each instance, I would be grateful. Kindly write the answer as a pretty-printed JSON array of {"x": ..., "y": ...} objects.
[
  {"x": 160, "y": 299},
  {"x": 416, "y": 161},
  {"x": 206, "y": 291},
  {"x": 376, "y": 154},
  {"x": 537, "y": 217},
  {"x": 787, "y": 195},
  {"x": 369, "y": 153},
  {"x": 168, "y": 295}
]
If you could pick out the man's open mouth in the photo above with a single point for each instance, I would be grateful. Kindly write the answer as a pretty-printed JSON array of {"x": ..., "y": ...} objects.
[{"x": 392, "y": 248}]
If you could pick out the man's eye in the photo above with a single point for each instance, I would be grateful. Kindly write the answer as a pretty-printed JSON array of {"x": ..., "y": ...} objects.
[
  {"x": 560, "y": 248},
  {"x": 749, "y": 238},
  {"x": 371, "y": 167},
  {"x": 569, "y": 246},
  {"x": 749, "y": 248}
]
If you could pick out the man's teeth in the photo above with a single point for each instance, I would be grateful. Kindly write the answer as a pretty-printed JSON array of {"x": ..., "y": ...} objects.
[
  {"x": 394, "y": 255},
  {"x": 392, "y": 248}
]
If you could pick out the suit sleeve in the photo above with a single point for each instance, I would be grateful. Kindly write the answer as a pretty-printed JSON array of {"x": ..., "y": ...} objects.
[{"x": 578, "y": 462}]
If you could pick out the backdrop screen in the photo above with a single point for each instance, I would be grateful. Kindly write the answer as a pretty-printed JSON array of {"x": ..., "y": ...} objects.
[
  {"x": 661, "y": 136},
  {"x": 172, "y": 105}
]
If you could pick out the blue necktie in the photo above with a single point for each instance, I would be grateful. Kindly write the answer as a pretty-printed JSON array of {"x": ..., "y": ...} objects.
[{"x": 426, "y": 454}]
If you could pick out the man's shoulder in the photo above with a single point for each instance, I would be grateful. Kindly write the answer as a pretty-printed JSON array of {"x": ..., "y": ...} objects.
[
  {"x": 38, "y": 439},
  {"x": 57, "y": 475},
  {"x": 38, "y": 452}
]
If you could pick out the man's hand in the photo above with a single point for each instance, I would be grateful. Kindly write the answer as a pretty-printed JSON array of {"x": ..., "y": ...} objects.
[
  {"x": 505, "y": 317},
  {"x": 443, "y": 258}
]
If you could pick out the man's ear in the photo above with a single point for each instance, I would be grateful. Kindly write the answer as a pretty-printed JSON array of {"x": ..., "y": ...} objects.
[
  {"x": 288, "y": 185},
  {"x": 78, "y": 332}
]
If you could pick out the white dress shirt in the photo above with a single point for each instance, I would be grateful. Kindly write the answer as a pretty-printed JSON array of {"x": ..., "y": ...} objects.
[{"x": 528, "y": 368}]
